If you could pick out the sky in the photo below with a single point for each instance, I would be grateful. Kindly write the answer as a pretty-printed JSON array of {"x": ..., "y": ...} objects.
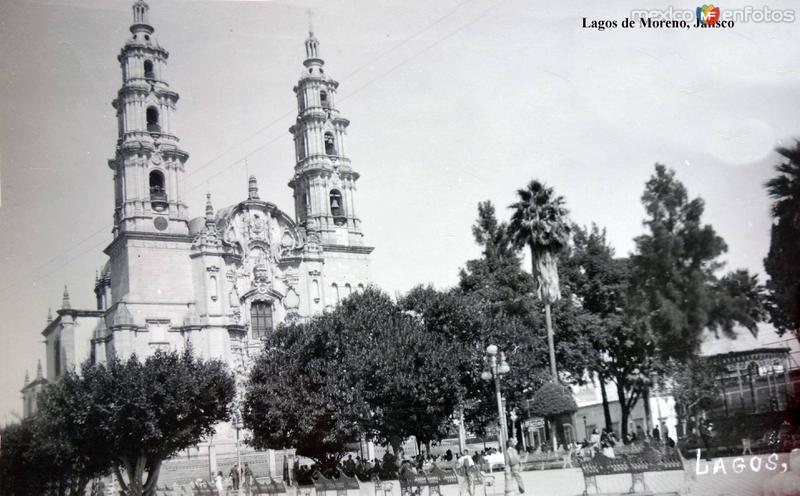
[{"x": 451, "y": 103}]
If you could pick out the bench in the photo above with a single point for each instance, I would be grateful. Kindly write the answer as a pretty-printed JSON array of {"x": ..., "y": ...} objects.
[
  {"x": 476, "y": 477},
  {"x": 268, "y": 487},
  {"x": 636, "y": 465},
  {"x": 340, "y": 486},
  {"x": 412, "y": 484}
]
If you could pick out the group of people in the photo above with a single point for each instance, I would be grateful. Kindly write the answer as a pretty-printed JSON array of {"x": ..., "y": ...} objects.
[
  {"x": 236, "y": 476},
  {"x": 605, "y": 442}
]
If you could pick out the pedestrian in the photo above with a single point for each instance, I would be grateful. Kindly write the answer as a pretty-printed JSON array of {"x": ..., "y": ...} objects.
[
  {"x": 705, "y": 435},
  {"x": 248, "y": 475},
  {"x": 656, "y": 434},
  {"x": 234, "y": 475},
  {"x": 218, "y": 484},
  {"x": 512, "y": 471},
  {"x": 465, "y": 467},
  {"x": 594, "y": 440}
]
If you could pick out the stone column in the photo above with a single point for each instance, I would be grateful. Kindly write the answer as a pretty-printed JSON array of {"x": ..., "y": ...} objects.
[
  {"x": 271, "y": 460},
  {"x": 739, "y": 379},
  {"x": 212, "y": 460}
]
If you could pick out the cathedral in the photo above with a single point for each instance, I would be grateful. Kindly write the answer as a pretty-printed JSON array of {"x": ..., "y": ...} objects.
[{"x": 223, "y": 281}]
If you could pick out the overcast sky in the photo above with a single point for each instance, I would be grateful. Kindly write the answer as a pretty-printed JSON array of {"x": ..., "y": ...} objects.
[{"x": 451, "y": 102}]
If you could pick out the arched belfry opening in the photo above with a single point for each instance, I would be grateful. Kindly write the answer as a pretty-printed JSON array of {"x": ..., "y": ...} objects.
[
  {"x": 323, "y": 99},
  {"x": 337, "y": 206},
  {"x": 158, "y": 190},
  {"x": 330, "y": 144},
  {"x": 148, "y": 70},
  {"x": 153, "y": 125}
]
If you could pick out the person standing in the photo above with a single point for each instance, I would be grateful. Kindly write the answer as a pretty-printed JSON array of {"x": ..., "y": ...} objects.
[
  {"x": 705, "y": 435},
  {"x": 234, "y": 475},
  {"x": 465, "y": 466},
  {"x": 512, "y": 470},
  {"x": 218, "y": 484},
  {"x": 248, "y": 475}
]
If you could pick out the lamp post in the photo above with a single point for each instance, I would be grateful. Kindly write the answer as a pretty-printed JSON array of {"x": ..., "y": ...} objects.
[
  {"x": 238, "y": 426},
  {"x": 494, "y": 369},
  {"x": 585, "y": 433}
]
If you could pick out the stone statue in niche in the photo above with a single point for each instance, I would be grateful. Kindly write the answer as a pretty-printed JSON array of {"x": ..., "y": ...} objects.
[{"x": 257, "y": 228}]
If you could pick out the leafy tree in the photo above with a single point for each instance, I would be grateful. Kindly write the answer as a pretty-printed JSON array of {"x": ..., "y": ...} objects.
[
  {"x": 409, "y": 375},
  {"x": 20, "y": 469},
  {"x": 495, "y": 281},
  {"x": 551, "y": 401},
  {"x": 783, "y": 260},
  {"x": 674, "y": 292},
  {"x": 539, "y": 222},
  {"x": 504, "y": 294},
  {"x": 139, "y": 413},
  {"x": 598, "y": 281},
  {"x": 297, "y": 395},
  {"x": 672, "y": 276},
  {"x": 491, "y": 234},
  {"x": 368, "y": 367},
  {"x": 695, "y": 388},
  {"x": 738, "y": 298}
]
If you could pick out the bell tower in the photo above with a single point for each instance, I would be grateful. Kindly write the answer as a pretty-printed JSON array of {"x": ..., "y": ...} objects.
[
  {"x": 148, "y": 165},
  {"x": 150, "y": 268},
  {"x": 324, "y": 181}
]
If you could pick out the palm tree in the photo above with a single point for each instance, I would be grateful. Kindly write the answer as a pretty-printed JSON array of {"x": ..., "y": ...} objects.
[
  {"x": 540, "y": 222},
  {"x": 783, "y": 261}
]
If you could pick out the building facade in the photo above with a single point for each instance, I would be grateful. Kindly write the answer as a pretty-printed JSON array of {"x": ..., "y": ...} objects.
[{"x": 223, "y": 281}]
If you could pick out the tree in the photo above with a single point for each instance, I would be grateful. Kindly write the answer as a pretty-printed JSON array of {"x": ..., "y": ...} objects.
[
  {"x": 738, "y": 298},
  {"x": 783, "y": 260},
  {"x": 504, "y": 296},
  {"x": 491, "y": 234},
  {"x": 539, "y": 222},
  {"x": 138, "y": 413},
  {"x": 695, "y": 388},
  {"x": 409, "y": 375},
  {"x": 599, "y": 281},
  {"x": 298, "y": 396},
  {"x": 368, "y": 367},
  {"x": 20, "y": 472},
  {"x": 674, "y": 292},
  {"x": 672, "y": 271},
  {"x": 551, "y": 401}
]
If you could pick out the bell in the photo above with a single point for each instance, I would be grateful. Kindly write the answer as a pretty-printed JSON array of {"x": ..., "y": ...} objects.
[{"x": 334, "y": 203}]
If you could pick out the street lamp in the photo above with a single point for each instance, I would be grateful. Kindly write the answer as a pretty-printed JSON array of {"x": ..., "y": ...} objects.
[
  {"x": 493, "y": 371},
  {"x": 238, "y": 426}
]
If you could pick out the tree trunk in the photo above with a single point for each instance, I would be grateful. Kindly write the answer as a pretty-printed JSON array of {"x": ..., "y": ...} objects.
[
  {"x": 152, "y": 478},
  {"x": 624, "y": 411},
  {"x": 606, "y": 409},
  {"x": 648, "y": 423},
  {"x": 551, "y": 341}
]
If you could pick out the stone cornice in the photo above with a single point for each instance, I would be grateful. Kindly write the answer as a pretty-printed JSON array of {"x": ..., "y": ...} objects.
[
  {"x": 133, "y": 45},
  {"x": 146, "y": 236},
  {"x": 71, "y": 312},
  {"x": 143, "y": 87},
  {"x": 363, "y": 250}
]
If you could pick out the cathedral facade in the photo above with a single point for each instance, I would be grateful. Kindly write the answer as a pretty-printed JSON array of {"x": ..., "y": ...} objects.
[{"x": 223, "y": 281}]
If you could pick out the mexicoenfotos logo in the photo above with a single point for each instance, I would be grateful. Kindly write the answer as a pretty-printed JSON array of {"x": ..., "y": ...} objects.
[{"x": 707, "y": 15}]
